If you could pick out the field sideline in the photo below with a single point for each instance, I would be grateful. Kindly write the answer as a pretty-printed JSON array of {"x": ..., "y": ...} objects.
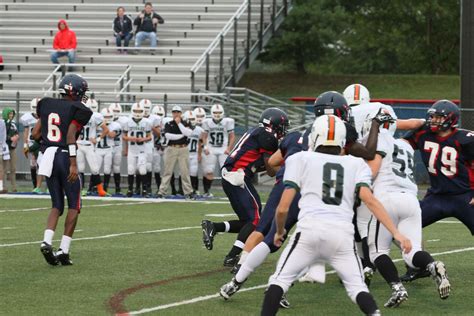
[{"x": 140, "y": 257}]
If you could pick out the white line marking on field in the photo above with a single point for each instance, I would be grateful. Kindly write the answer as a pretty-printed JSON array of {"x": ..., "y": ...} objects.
[
  {"x": 85, "y": 206},
  {"x": 449, "y": 222},
  {"x": 8, "y": 228},
  {"x": 220, "y": 215},
  {"x": 433, "y": 240},
  {"x": 105, "y": 236},
  {"x": 212, "y": 296}
]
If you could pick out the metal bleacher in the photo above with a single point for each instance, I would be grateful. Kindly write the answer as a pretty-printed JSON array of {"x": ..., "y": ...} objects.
[{"x": 27, "y": 29}]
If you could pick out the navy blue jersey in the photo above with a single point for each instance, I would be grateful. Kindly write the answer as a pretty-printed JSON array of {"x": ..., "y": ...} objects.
[
  {"x": 251, "y": 150},
  {"x": 293, "y": 143},
  {"x": 448, "y": 159},
  {"x": 56, "y": 115}
]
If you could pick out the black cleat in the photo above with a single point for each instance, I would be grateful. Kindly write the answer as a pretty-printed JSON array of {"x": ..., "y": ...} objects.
[
  {"x": 129, "y": 193},
  {"x": 413, "y": 274},
  {"x": 231, "y": 261},
  {"x": 48, "y": 253},
  {"x": 235, "y": 269},
  {"x": 208, "y": 233},
  {"x": 284, "y": 303},
  {"x": 63, "y": 258}
]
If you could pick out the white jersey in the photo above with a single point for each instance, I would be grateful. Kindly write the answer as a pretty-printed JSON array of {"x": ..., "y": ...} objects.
[
  {"x": 218, "y": 133},
  {"x": 137, "y": 129},
  {"x": 29, "y": 121},
  {"x": 90, "y": 129},
  {"x": 361, "y": 112},
  {"x": 155, "y": 121},
  {"x": 122, "y": 121},
  {"x": 194, "y": 140},
  {"x": 108, "y": 142},
  {"x": 403, "y": 165},
  {"x": 327, "y": 185}
]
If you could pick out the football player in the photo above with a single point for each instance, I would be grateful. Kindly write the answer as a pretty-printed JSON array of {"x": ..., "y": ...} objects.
[
  {"x": 59, "y": 123},
  {"x": 328, "y": 182},
  {"x": 158, "y": 111},
  {"x": 200, "y": 115},
  {"x": 86, "y": 149},
  {"x": 250, "y": 155},
  {"x": 118, "y": 151},
  {"x": 218, "y": 138},
  {"x": 104, "y": 146},
  {"x": 30, "y": 146},
  {"x": 155, "y": 122},
  {"x": 195, "y": 149},
  {"x": 137, "y": 132}
]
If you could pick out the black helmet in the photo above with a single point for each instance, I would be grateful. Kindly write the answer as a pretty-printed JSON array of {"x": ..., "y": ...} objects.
[
  {"x": 448, "y": 110},
  {"x": 332, "y": 103},
  {"x": 74, "y": 86},
  {"x": 275, "y": 121}
]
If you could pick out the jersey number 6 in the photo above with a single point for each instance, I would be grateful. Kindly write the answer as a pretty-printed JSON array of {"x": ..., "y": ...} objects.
[{"x": 54, "y": 133}]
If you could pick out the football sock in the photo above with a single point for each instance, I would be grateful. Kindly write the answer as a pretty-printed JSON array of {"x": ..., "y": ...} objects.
[
  {"x": 95, "y": 180},
  {"x": 33, "y": 177},
  {"x": 65, "y": 243},
  {"x": 243, "y": 257},
  {"x": 195, "y": 183},
  {"x": 252, "y": 261},
  {"x": 227, "y": 227},
  {"x": 149, "y": 176},
  {"x": 48, "y": 236},
  {"x": 387, "y": 269},
  {"x": 421, "y": 259},
  {"x": 130, "y": 182},
  {"x": 139, "y": 183},
  {"x": 239, "y": 244},
  {"x": 157, "y": 180},
  {"x": 117, "y": 181},
  {"x": 106, "y": 181},
  {"x": 366, "y": 254},
  {"x": 271, "y": 302},
  {"x": 206, "y": 183},
  {"x": 144, "y": 182},
  {"x": 236, "y": 226},
  {"x": 220, "y": 227},
  {"x": 83, "y": 181},
  {"x": 366, "y": 303}
]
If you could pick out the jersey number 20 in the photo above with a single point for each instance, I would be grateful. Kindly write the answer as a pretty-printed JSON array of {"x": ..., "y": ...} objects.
[{"x": 333, "y": 183}]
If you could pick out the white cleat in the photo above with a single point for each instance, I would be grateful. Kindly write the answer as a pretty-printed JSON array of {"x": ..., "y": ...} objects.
[{"x": 438, "y": 273}]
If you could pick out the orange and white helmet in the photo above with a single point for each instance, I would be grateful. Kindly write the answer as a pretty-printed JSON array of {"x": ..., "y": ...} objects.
[
  {"x": 34, "y": 104},
  {"x": 200, "y": 115},
  {"x": 138, "y": 111},
  {"x": 217, "y": 112},
  {"x": 328, "y": 130},
  {"x": 93, "y": 105},
  {"x": 356, "y": 94},
  {"x": 116, "y": 109},
  {"x": 158, "y": 110},
  {"x": 108, "y": 115},
  {"x": 190, "y": 117},
  {"x": 146, "y": 104}
]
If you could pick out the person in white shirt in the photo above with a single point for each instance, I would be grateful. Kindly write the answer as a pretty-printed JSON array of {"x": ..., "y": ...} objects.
[
  {"x": 155, "y": 122},
  {"x": 195, "y": 149},
  {"x": 218, "y": 139},
  {"x": 118, "y": 151},
  {"x": 329, "y": 183},
  {"x": 158, "y": 111}
]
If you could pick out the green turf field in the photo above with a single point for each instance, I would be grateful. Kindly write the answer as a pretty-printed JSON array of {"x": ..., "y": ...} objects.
[{"x": 130, "y": 256}]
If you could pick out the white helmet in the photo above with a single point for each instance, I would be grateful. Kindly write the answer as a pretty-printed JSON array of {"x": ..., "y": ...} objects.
[
  {"x": 328, "y": 130},
  {"x": 356, "y": 94},
  {"x": 217, "y": 112},
  {"x": 158, "y": 110},
  {"x": 146, "y": 104},
  {"x": 108, "y": 115},
  {"x": 137, "y": 111},
  {"x": 33, "y": 104},
  {"x": 200, "y": 115},
  {"x": 116, "y": 109},
  {"x": 93, "y": 105},
  {"x": 190, "y": 117},
  {"x": 391, "y": 127}
]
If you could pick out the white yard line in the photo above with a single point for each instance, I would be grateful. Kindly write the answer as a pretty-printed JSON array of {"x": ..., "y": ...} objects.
[
  {"x": 449, "y": 222},
  {"x": 85, "y": 206},
  {"x": 105, "y": 236},
  {"x": 212, "y": 296}
]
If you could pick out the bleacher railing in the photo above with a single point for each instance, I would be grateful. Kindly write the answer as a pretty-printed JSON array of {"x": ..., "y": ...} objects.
[{"x": 238, "y": 44}]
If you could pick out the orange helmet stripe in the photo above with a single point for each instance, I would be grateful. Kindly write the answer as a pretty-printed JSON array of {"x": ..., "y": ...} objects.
[
  {"x": 356, "y": 92},
  {"x": 332, "y": 128}
]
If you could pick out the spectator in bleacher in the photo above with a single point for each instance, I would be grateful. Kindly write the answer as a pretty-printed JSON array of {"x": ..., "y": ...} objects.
[
  {"x": 146, "y": 23},
  {"x": 123, "y": 29},
  {"x": 12, "y": 138},
  {"x": 64, "y": 43},
  {"x": 3, "y": 135}
]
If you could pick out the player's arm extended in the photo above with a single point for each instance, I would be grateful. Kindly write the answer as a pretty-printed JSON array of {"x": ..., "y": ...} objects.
[
  {"x": 368, "y": 151},
  {"x": 382, "y": 216},
  {"x": 410, "y": 124},
  {"x": 274, "y": 163},
  {"x": 36, "y": 132},
  {"x": 282, "y": 213}
]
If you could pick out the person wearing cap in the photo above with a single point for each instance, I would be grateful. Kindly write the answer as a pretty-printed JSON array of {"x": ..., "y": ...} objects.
[{"x": 176, "y": 133}]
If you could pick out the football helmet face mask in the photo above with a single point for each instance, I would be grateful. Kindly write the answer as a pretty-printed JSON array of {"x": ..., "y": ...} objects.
[
  {"x": 327, "y": 130},
  {"x": 275, "y": 121},
  {"x": 73, "y": 85},
  {"x": 116, "y": 109},
  {"x": 356, "y": 94},
  {"x": 108, "y": 115},
  {"x": 200, "y": 115},
  {"x": 443, "y": 115},
  {"x": 34, "y": 104},
  {"x": 190, "y": 117},
  {"x": 137, "y": 111},
  {"x": 332, "y": 103},
  {"x": 146, "y": 104},
  {"x": 217, "y": 112}
]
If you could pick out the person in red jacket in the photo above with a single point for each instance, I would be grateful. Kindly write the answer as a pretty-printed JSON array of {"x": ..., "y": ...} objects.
[{"x": 64, "y": 43}]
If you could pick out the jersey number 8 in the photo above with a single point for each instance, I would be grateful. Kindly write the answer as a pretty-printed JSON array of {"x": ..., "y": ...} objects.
[{"x": 333, "y": 183}]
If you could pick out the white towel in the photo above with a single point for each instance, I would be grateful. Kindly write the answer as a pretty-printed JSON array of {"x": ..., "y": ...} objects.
[
  {"x": 46, "y": 164},
  {"x": 236, "y": 178}
]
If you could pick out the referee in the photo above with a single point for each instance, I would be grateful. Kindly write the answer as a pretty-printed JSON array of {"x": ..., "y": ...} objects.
[{"x": 176, "y": 133}]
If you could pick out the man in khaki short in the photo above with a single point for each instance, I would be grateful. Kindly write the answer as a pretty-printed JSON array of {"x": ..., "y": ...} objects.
[{"x": 176, "y": 133}]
